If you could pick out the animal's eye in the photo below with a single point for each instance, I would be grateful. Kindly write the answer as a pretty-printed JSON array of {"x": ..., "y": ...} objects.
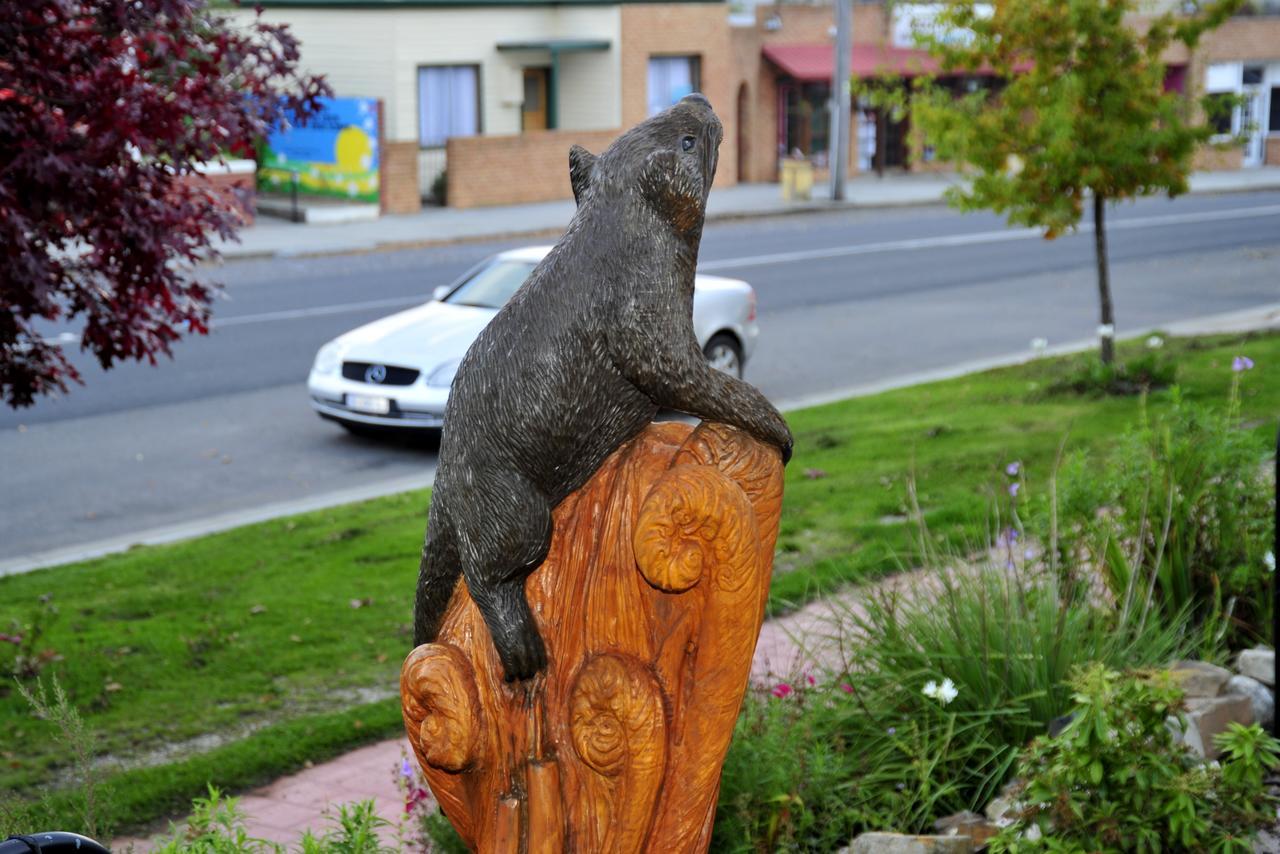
[{"x": 687, "y": 143}]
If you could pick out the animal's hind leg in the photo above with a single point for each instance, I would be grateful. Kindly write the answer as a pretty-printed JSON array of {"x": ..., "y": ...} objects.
[{"x": 506, "y": 536}]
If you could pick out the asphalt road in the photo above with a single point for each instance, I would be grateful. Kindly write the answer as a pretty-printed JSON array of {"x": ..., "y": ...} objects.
[{"x": 224, "y": 431}]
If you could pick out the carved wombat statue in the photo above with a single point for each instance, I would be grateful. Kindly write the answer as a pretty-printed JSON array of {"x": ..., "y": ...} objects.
[{"x": 578, "y": 362}]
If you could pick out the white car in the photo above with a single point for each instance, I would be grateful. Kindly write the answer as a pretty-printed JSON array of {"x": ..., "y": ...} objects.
[{"x": 396, "y": 372}]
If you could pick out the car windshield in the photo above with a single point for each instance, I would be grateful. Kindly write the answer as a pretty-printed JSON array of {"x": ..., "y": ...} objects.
[{"x": 492, "y": 285}]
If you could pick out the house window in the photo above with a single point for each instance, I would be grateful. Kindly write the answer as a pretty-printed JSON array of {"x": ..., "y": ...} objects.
[
  {"x": 1273, "y": 122},
  {"x": 671, "y": 78},
  {"x": 1219, "y": 108},
  {"x": 448, "y": 103}
]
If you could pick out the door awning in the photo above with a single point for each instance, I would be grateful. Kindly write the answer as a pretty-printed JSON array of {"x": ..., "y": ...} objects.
[
  {"x": 557, "y": 45},
  {"x": 814, "y": 61}
]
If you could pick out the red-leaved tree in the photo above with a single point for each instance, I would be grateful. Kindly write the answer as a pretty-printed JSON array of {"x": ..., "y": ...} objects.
[{"x": 105, "y": 107}]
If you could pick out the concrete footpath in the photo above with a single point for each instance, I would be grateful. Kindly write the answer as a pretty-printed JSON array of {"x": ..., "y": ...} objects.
[{"x": 270, "y": 238}]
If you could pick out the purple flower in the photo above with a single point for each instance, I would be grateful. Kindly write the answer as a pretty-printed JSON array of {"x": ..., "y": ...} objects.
[
  {"x": 893, "y": 730},
  {"x": 1241, "y": 363},
  {"x": 1013, "y": 489},
  {"x": 406, "y": 770},
  {"x": 782, "y": 690},
  {"x": 1007, "y": 537},
  {"x": 1013, "y": 468}
]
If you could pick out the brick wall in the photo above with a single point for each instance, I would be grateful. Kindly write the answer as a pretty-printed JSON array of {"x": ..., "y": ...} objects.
[
  {"x": 509, "y": 170},
  {"x": 1210, "y": 158},
  {"x": 1272, "y": 156},
  {"x": 674, "y": 29},
  {"x": 234, "y": 184},
  {"x": 400, "y": 191}
]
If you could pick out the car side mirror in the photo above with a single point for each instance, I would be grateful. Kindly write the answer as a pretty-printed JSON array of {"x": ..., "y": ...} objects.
[{"x": 440, "y": 293}]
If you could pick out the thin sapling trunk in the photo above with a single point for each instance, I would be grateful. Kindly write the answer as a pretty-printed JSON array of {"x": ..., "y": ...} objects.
[{"x": 1107, "y": 327}]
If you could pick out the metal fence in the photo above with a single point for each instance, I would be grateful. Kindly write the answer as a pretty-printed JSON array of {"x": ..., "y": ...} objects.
[{"x": 431, "y": 163}]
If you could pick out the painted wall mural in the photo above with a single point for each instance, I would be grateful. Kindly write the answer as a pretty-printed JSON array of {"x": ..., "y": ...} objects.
[{"x": 334, "y": 154}]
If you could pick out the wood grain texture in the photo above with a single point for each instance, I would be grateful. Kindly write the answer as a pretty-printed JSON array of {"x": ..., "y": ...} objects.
[{"x": 650, "y": 602}]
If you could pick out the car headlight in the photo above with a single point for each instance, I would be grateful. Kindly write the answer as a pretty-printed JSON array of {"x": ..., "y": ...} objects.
[
  {"x": 329, "y": 359},
  {"x": 442, "y": 376}
]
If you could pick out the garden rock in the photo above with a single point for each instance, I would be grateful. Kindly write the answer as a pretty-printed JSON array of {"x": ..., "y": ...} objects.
[
  {"x": 901, "y": 843},
  {"x": 1005, "y": 807},
  {"x": 1199, "y": 678},
  {"x": 967, "y": 823},
  {"x": 1208, "y": 716},
  {"x": 1264, "y": 701},
  {"x": 1266, "y": 842},
  {"x": 1259, "y": 663}
]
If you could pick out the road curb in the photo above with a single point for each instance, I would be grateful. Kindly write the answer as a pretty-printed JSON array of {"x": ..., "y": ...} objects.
[{"x": 816, "y": 206}]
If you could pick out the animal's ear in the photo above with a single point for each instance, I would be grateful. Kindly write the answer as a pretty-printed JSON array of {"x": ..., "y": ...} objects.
[
  {"x": 673, "y": 189},
  {"x": 581, "y": 162}
]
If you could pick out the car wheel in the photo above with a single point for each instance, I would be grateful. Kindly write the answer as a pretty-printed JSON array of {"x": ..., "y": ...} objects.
[{"x": 724, "y": 353}]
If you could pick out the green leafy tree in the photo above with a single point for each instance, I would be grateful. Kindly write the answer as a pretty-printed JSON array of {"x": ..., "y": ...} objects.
[{"x": 1084, "y": 114}]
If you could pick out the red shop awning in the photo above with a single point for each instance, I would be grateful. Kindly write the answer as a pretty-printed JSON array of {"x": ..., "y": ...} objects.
[{"x": 814, "y": 61}]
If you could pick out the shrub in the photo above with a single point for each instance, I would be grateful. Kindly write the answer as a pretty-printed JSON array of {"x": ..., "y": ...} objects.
[
  {"x": 1114, "y": 780},
  {"x": 925, "y": 715},
  {"x": 217, "y": 826},
  {"x": 1178, "y": 516},
  {"x": 1139, "y": 374}
]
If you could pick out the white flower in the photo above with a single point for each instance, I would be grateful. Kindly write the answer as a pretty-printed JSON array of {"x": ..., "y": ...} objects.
[
  {"x": 1032, "y": 833},
  {"x": 1155, "y": 342},
  {"x": 1013, "y": 164},
  {"x": 944, "y": 693},
  {"x": 1269, "y": 559},
  {"x": 947, "y": 691}
]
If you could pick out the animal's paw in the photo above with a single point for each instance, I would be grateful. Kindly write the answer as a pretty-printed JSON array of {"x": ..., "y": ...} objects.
[{"x": 522, "y": 652}]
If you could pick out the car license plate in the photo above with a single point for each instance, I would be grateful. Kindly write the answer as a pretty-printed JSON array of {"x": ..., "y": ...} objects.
[{"x": 370, "y": 403}]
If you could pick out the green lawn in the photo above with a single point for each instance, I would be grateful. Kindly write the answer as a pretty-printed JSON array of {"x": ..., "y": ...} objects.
[{"x": 284, "y": 639}]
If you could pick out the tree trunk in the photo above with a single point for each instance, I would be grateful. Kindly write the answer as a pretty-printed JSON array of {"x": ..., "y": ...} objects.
[{"x": 1106, "y": 331}]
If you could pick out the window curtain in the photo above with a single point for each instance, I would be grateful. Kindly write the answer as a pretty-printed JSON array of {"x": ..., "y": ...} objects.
[
  {"x": 670, "y": 79},
  {"x": 448, "y": 104}
]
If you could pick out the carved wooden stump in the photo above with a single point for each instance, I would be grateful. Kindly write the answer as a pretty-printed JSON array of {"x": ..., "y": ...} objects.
[{"x": 650, "y": 602}]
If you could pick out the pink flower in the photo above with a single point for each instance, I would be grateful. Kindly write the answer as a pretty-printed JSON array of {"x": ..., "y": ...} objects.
[
  {"x": 416, "y": 796},
  {"x": 846, "y": 687},
  {"x": 810, "y": 680},
  {"x": 781, "y": 690},
  {"x": 15, "y": 639}
]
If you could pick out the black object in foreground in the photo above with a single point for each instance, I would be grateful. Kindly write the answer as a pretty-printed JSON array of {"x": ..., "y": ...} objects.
[
  {"x": 577, "y": 363},
  {"x": 53, "y": 842}
]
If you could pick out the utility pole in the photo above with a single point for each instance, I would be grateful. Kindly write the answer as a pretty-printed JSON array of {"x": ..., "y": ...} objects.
[{"x": 840, "y": 99}]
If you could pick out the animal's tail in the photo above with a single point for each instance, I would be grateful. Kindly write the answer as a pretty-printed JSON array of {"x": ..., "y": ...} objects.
[{"x": 437, "y": 576}]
